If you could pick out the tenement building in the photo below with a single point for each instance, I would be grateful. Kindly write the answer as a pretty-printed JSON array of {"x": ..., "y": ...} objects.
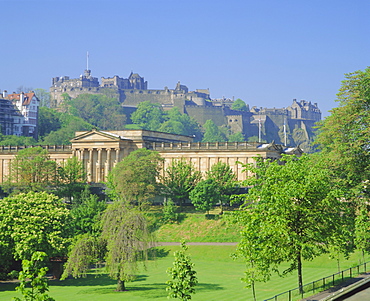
[
  {"x": 100, "y": 151},
  {"x": 19, "y": 114}
]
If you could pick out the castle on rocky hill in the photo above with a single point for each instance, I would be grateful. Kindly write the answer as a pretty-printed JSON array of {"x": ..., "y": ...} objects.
[{"x": 289, "y": 126}]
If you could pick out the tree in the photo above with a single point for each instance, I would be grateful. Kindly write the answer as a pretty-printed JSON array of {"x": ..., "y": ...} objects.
[
  {"x": 128, "y": 241},
  {"x": 239, "y": 105},
  {"x": 71, "y": 178},
  {"x": 70, "y": 125},
  {"x": 180, "y": 177},
  {"x": 17, "y": 140},
  {"x": 86, "y": 213},
  {"x": 33, "y": 274},
  {"x": 190, "y": 126},
  {"x": 183, "y": 276},
  {"x": 296, "y": 213},
  {"x": 31, "y": 170},
  {"x": 225, "y": 179},
  {"x": 236, "y": 137},
  {"x": 43, "y": 96},
  {"x": 49, "y": 121},
  {"x": 344, "y": 135},
  {"x": 148, "y": 116},
  {"x": 99, "y": 110},
  {"x": 134, "y": 179},
  {"x": 30, "y": 222},
  {"x": 205, "y": 195},
  {"x": 212, "y": 133}
]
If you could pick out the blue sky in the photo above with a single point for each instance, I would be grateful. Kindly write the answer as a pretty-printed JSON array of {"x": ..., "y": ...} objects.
[{"x": 264, "y": 52}]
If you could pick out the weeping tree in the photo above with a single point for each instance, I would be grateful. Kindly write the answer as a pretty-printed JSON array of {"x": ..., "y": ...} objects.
[{"x": 124, "y": 242}]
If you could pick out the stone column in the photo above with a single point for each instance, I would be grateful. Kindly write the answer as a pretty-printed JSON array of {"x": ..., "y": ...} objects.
[
  {"x": 108, "y": 164},
  {"x": 98, "y": 166},
  {"x": 90, "y": 171},
  {"x": 117, "y": 156}
]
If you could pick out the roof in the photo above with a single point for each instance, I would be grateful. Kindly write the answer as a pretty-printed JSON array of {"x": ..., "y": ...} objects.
[{"x": 27, "y": 97}]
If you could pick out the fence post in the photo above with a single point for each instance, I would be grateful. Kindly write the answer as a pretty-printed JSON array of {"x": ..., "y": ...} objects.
[
  {"x": 323, "y": 282},
  {"x": 333, "y": 278},
  {"x": 350, "y": 272},
  {"x": 290, "y": 295},
  {"x": 313, "y": 286}
]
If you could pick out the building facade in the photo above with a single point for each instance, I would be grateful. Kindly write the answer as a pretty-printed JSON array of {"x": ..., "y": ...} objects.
[{"x": 100, "y": 151}]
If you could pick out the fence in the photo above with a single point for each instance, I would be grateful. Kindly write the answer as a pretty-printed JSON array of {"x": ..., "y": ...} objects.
[{"x": 321, "y": 284}]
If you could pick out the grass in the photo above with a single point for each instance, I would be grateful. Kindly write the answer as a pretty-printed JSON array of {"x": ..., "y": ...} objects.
[
  {"x": 218, "y": 275},
  {"x": 195, "y": 227}
]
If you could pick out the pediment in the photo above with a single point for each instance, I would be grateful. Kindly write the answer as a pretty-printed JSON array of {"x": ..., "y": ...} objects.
[{"x": 95, "y": 135}]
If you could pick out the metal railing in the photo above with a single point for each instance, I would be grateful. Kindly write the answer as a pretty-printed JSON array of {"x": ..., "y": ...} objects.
[{"x": 321, "y": 284}]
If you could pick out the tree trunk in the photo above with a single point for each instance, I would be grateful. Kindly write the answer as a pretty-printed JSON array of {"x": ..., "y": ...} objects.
[
  {"x": 299, "y": 265},
  {"x": 254, "y": 291},
  {"x": 120, "y": 286}
]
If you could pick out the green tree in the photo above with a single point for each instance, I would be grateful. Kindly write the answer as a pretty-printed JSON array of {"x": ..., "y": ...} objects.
[
  {"x": 31, "y": 170},
  {"x": 70, "y": 125},
  {"x": 236, "y": 137},
  {"x": 205, "y": 195},
  {"x": 128, "y": 240},
  {"x": 49, "y": 121},
  {"x": 183, "y": 276},
  {"x": 239, "y": 105},
  {"x": 134, "y": 179},
  {"x": 212, "y": 132},
  {"x": 226, "y": 181},
  {"x": 43, "y": 96},
  {"x": 33, "y": 275},
  {"x": 87, "y": 212},
  {"x": 344, "y": 136},
  {"x": 296, "y": 213},
  {"x": 32, "y": 222},
  {"x": 99, "y": 110},
  {"x": 13, "y": 140},
  {"x": 148, "y": 116},
  {"x": 180, "y": 177},
  {"x": 190, "y": 126},
  {"x": 71, "y": 178}
]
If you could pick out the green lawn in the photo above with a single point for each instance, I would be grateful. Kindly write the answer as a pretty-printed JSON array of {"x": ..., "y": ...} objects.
[{"x": 218, "y": 275}]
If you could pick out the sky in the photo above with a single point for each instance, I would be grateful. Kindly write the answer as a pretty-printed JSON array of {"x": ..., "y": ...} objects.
[{"x": 266, "y": 52}]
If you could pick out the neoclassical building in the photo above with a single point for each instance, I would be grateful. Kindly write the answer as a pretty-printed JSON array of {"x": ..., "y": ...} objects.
[{"x": 100, "y": 151}]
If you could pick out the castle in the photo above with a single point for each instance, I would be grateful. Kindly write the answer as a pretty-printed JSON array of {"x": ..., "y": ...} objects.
[{"x": 291, "y": 126}]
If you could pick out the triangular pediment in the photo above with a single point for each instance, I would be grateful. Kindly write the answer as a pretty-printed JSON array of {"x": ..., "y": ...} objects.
[{"x": 95, "y": 135}]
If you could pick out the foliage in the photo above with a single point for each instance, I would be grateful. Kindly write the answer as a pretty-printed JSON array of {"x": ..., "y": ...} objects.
[
  {"x": 344, "y": 135},
  {"x": 169, "y": 211},
  {"x": 134, "y": 179},
  {"x": 225, "y": 180},
  {"x": 212, "y": 132},
  {"x": 71, "y": 178},
  {"x": 180, "y": 177},
  {"x": 205, "y": 195},
  {"x": 43, "y": 96},
  {"x": 185, "y": 124},
  {"x": 49, "y": 121},
  {"x": 148, "y": 116},
  {"x": 85, "y": 250},
  {"x": 183, "y": 276},
  {"x": 31, "y": 170},
  {"x": 87, "y": 212},
  {"x": 99, "y": 110},
  {"x": 31, "y": 222},
  {"x": 125, "y": 234},
  {"x": 296, "y": 213},
  {"x": 13, "y": 140},
  {"x": 33, "y": 274},
  {"x": 70, "y": 125},
  {"x": 239, "y": 105},
  {"x": 236, "y": 137}
]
